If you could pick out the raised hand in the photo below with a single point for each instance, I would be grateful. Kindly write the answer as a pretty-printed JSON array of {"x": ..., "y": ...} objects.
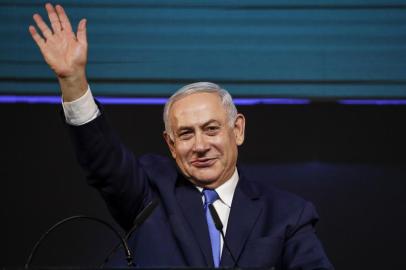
[{"x": 63, "y": 50}]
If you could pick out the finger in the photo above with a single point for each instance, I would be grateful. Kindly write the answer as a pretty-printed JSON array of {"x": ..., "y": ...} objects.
[
  {"x": 81, "y": 35},
  {"x": 53, "y": 18},
  {"x": 46, "y": 32},
  {"x": 36, "y": 37},
  {"x": 64, "y": 19}
]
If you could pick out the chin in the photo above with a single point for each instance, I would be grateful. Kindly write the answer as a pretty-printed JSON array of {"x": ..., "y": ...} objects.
[{"x": 205, "y": 178}]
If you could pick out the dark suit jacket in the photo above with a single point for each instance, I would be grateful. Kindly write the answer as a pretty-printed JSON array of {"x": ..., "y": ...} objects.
[{"x": 266, "y": 227}]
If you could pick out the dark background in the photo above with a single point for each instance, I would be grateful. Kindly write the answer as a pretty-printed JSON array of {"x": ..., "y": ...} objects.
[{"x": 348, "y": 160}]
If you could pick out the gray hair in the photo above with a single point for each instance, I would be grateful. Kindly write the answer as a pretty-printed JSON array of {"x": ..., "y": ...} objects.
[{"x": 201, "y": 87}]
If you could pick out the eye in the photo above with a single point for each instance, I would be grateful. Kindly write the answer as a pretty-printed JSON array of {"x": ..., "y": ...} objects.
[
  {"x": 212, "y": 130},
  {"x": 185, "y": 135}
]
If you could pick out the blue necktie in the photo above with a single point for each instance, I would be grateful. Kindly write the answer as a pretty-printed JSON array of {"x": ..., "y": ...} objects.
[{"x": 210, "y": 196}]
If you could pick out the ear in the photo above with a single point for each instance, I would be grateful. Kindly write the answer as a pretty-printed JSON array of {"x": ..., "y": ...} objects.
[
  {"x": 239, "y": 129},
  {"x": 170, "y": 143}
]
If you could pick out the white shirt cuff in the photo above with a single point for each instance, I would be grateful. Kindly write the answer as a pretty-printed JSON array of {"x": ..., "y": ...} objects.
[{"x": 81, "y": 110}]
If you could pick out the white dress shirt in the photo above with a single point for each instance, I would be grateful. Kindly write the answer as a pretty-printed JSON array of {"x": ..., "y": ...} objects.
[
  {"x": 81, "y": 110},
  {"x": 223, "y": 205}
]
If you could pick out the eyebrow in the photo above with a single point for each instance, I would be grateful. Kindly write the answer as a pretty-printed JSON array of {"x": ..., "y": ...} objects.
[{"x": 205, "y": 124}]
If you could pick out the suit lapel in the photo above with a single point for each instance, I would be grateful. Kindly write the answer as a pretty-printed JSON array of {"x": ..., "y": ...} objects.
[
  {"x": 190, "y": 201},
  {"x": 194, "y": 236},
  {"x": 244, "y": 213},
  {"x": 180, "y": 205}
]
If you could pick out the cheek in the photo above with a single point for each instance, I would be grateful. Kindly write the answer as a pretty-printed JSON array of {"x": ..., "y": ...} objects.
[
  {"x": 223, "y": 146},
  {"x": 230, "y": 147},
  {"x": 182, "y": 149}
]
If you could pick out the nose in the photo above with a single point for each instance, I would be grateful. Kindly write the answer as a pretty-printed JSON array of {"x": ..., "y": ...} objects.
[{"x": 200, "y": 145}]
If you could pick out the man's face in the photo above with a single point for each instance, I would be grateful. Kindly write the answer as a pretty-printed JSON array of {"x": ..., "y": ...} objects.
[{"x": 203, "y": 143}]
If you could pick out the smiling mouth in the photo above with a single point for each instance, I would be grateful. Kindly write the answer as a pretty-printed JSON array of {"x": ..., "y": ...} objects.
[{"x": 203, "y": 162}]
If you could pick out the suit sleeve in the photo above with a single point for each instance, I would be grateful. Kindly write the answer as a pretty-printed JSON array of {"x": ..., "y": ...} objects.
[
  {"x": 112, "y": 169},
  {"x": 303, "y": 249}
]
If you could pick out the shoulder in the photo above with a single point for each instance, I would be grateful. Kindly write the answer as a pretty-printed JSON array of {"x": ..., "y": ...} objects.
[
  {"x": 151, "y": 159},
  {"x": 278, "y": 196},
  {"x": 263, "y": 187},
  {"x": 280, "y": 204},
  {"x": 158, "y": 167},
  {"x": 156, "y": 162},
  {"x": 285, "y": 204}
]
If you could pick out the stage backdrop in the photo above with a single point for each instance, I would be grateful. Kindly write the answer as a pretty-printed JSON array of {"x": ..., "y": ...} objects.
[{"x": 318, "y": 49}]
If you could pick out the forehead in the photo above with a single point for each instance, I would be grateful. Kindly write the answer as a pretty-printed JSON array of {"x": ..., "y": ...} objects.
[{"x": 197, "y": 108}]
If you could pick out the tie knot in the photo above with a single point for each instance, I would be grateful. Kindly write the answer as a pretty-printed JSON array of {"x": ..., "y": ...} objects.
[{"x": 210, "y": 196}]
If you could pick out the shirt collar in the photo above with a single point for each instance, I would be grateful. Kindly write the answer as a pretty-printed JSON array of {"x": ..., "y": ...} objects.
[{"x": 226, "y": 190}]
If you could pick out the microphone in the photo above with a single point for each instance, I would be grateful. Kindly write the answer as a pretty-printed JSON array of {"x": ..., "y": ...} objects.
[
  {"x": 142, "y": 216},
  {"x": 219, "y": 227},
  {"x": 73, "y": 218},
  {"x": 138, "y": 221}
]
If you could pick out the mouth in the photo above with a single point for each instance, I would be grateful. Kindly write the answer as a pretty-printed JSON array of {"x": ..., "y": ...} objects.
[{"x": 203, "y": 162}]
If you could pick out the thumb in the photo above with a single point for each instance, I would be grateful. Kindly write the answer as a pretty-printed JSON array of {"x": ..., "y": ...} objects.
[{"x": 81, "y": 35}]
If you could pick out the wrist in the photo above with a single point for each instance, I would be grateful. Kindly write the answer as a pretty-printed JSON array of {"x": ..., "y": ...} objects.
[{"x": 73, "y": 87}]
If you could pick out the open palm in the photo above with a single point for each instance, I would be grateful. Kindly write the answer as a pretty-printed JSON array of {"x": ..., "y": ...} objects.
[{"x": 64, "y": 52}]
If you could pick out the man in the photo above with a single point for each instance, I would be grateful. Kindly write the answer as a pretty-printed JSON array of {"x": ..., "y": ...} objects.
[{"x": 263, "y": 227}]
